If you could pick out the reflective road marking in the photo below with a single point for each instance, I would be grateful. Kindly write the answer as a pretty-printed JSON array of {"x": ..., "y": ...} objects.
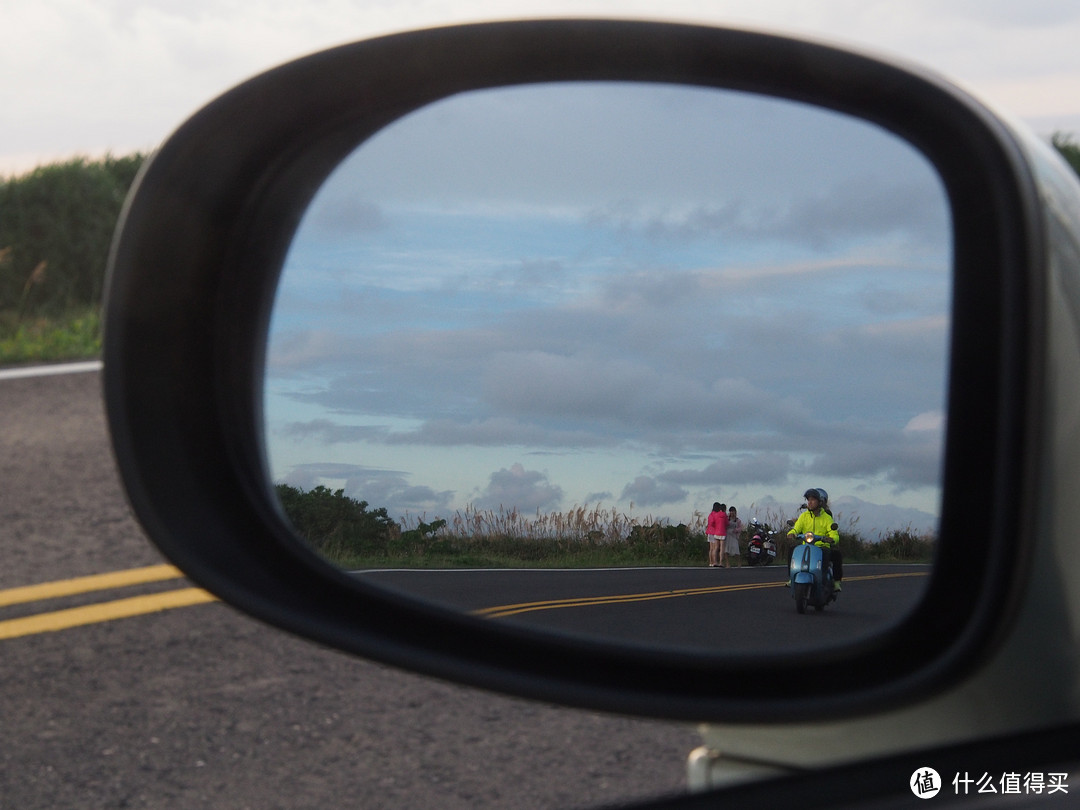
[
  {"x": 22, "y": 372},
  {"x": 102, "y": 611},
  {"x": 186, "y": 597},
  {"x": 96, "y": 582},
  {"x": 502, "y": 611}
]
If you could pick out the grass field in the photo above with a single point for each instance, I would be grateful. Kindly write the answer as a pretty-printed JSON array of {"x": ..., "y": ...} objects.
[{"x": 27, "y": 340}]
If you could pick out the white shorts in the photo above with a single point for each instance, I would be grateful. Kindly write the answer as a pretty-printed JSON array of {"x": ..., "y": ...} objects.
[{"x": 715, "y": 538}]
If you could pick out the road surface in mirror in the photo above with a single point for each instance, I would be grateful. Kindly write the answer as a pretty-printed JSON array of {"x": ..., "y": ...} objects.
[{"x": 525, "y": 338}]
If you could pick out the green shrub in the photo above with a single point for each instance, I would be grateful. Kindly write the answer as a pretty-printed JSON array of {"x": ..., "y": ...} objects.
[
  {"x": 852, "y": 546},
  {"x": 56, "y": 226},
  {"x": 335, "y": 525},
  {"x": 422, "y": 530},
  {"x": 905, "y": 545},
  {"x": 1068, "y": 148},
  {"x": 665, "y": 544}
]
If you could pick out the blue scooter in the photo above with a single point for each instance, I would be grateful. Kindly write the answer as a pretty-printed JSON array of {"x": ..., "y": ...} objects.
[{"x": 811, "y": 581}]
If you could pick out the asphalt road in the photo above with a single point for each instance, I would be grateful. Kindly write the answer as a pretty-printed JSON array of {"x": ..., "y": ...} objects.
[
  {"x": 701, "y": 610},
  {"x": 201, "y": 707}
]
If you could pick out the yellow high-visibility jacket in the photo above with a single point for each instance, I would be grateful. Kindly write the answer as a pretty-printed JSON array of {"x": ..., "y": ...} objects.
[{"x": 820, "y": 525}]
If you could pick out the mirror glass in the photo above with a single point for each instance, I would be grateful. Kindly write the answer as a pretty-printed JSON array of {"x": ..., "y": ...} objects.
[{"x": 525, "y": 338}]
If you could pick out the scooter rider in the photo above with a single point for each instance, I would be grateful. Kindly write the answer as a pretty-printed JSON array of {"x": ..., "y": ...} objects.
[{"x": 818, "y": 520}]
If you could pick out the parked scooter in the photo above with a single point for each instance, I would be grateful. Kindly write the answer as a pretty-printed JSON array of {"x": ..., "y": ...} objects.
[
  {"x": 761, "y": 548},
  {"x": 810, "y": 578}
]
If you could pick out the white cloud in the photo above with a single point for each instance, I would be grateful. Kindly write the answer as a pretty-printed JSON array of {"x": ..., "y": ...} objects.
[
  {"x": 390, "y": 489},
  {"x": 929, "y": 421},
  {"x": 520, "y": 489},
  {"x": 649, "y": 492}
]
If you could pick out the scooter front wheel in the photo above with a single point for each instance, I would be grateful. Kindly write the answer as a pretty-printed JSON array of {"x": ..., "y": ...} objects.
[{"x": 802, "y": 596}]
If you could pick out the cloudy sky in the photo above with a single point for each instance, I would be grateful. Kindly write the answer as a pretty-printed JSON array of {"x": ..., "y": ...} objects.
[
  {"x": 564, "y": 351},
  {"x": 620, "y": 295}
]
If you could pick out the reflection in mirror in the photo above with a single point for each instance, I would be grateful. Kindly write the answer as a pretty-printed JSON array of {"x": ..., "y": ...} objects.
[{"x": 526, "y": 337}]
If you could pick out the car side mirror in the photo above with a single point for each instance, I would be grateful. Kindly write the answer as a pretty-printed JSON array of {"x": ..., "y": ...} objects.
[{"x": 195, "y": 271}]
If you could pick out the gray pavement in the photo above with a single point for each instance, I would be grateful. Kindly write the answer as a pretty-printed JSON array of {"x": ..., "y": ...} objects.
[{"x": 201, "y": 707}]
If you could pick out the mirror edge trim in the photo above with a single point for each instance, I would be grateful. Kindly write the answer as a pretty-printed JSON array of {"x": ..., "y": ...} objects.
[{"x": 195, "y": 471}]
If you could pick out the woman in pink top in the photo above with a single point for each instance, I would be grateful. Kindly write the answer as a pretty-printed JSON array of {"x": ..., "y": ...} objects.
[{"x": 715, "y": 533}]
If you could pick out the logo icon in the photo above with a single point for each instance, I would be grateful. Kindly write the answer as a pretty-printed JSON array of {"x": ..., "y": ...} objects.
[{"x": 925, "y": 783}]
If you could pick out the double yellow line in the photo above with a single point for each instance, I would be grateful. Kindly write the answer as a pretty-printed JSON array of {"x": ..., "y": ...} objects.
[
  {"x": 100, "y": 612},
  {"x": 186, "y": 597},
  {"x": 502, "y": 611}
]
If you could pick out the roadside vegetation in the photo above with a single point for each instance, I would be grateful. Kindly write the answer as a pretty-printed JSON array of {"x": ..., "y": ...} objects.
[
  {"x": 1068, "y": 147},
  {"x": 351, "y": 535},
  {"x": 56, "y": 225}
]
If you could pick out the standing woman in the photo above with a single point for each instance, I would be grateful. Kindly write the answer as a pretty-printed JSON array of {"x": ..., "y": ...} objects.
[
  {"x": 734, "y": 528},
  {"x": 715, "y": 533}
]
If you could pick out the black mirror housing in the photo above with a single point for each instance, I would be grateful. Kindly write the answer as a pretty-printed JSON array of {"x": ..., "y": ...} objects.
[{"x": 196, "y": 261}]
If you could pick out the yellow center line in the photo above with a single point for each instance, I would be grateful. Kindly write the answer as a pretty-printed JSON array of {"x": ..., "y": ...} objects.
[
  {"x": 103, "y": 612},
  {"x": 96, "y": 582},
  {"x": 502, "y": 611}
]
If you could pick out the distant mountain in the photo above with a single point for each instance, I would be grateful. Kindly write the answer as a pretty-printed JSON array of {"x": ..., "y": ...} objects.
[{"x": 871, "y": 520}]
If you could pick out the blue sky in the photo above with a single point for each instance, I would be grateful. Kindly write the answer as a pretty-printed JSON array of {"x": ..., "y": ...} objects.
[{"x": 655, "y": 296}]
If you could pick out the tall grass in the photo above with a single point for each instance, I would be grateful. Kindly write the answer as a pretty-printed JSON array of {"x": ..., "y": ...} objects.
[
  {"x": 508, "y": 538},
  {"x": 595, "y": 523},
  {"x": 74, "y": 335}
]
